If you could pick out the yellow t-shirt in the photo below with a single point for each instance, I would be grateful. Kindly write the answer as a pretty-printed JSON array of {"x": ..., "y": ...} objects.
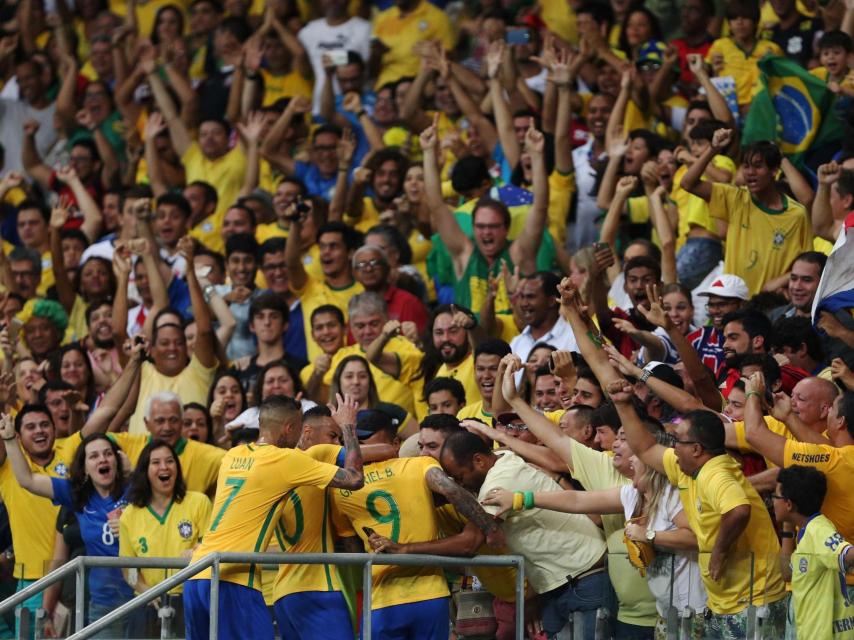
[
  {"x": 146, "y": 11},
  {"x": 32, "y": 518},
  {"x": 753, "y": 561},
  {"x": 475, "y": 410},
  {"x": 199, "y": 461},
  {"x": 143, "y": 533},
  {"x": 287, "y": 85},
  {"x": 208, "y": 232},
  {"x": 304, "y": 527},
  {"x": 400, "y": 34},
  {"x": 464, "y": 374},
  {"x": 741, "y": 65},
  {"x": 821, "y": 606},
  {"x": 397, "y": 503},
  {"x": 774, "y": 426},
  {"x": 693, "y": 210},
  {"x": 317, "y": 293},
  {"x": 761, "y": 243},
  {"x": 253, "y": 483},
  {"x": 390, "y": 389},
  {"x": 837, "y": 464},
  {"x": 595, "y": 471},
  {"x": 191, "y": 385},
  {"x": 560, "y": 19},
  {"x": 264, "y": 232},
  {"x": 225, "y": 174}
]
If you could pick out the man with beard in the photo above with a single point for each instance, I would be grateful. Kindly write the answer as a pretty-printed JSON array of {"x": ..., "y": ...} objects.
[
  {"x": 384, "y": 173},
  {"x": 726, "y": 294},
  {"x": 487, "y": 361},
  {"x": 371, "y": 267},
  {"x": 99, "y": 342},
  {"x": 448, "y": 347},
  {"x": 539, "y": 309}
]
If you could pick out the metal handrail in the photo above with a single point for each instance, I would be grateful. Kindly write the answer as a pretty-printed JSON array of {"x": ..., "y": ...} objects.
[{"x": 214, "y": 560}]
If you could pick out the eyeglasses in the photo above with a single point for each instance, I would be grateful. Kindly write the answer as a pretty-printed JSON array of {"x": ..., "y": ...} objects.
[
  {"x": 328, "y": 148},
  {"x": 515, "y": 427},
  {"x": 368, "y": 264}
]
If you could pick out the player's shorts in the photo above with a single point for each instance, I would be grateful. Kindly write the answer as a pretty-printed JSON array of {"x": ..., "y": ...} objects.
[
  {"x": 425, "y": 620},
  {"x": 242, "y": 612},
  {"x": 313, "y": 615}
]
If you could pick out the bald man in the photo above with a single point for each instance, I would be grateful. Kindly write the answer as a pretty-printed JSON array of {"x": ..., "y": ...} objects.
[{"x": 812, "y": 399}]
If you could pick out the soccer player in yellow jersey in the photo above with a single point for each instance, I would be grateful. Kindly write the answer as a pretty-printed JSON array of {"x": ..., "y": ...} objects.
[
  {"x": 410, "y": 603},
  {"x": 308, "y": 598},
  {"x": 766, "y": 229},
  {"x": 738, "y": 545},
  {"x": 254, "y": 481},
  {"x": 820, "y": 602}
]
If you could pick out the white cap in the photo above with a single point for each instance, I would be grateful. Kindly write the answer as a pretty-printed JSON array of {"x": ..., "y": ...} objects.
[{"x": 727, "y": 286}]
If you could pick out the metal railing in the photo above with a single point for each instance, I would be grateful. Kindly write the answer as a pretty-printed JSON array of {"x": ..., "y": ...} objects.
[{"x": 214, "y": 560}]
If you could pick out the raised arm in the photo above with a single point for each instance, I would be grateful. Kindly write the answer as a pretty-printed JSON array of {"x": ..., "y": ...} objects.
[
  {"x": 93, "y": 219},
  {"x": 524, "y": 249},
  {"x": 759, "y": 436},
  {"x": 717, "y": 103},
  {"x": 250, "y": 131},
  {"x": 271, "y": 149},
  {"x": 64, "y": 289},
  {"x": 561, "y": 77},
  {"x": 154, "y": 126},
  {"x": 117, "y": 395},
  {"x": 345, "y": 150},
  {"x": 36, "y": 483},
  {"x": 30, "y": 158},
  {"x": 456, "y": 241},
  {"x": 297, "y": 276},
  {"x": 611, "y": 223},
  {"x": 823, "y": 224},
  {"x": 799, "y": 185},
  {"x": 376, "y": 354},
  {"x": 205, "y": 349},
  {"x": 350, "y": 476},
  {"x": 641, "y": 442},
  {"x": 570, "y": 501},
  {"x": 178, "y": 132},
  {"x": 617, "y": 148},
  {"x": 692, "y": 181},
  {"x": 666, "y": 233},
  {"x": 500, "y": 106}
]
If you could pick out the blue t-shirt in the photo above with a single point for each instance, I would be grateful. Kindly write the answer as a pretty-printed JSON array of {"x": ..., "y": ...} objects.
[
  {"x": 106, "y": 585},
  {"x": 315, "y": 183}
]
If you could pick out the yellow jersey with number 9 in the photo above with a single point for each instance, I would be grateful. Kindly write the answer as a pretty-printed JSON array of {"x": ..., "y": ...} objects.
[
  {"x": 254, "y": 481},
  {"x": 304, "y": 527},
  {"x": 396, "y": 503}
]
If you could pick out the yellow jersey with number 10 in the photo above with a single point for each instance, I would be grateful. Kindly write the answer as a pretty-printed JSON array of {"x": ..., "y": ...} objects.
[
  {"x": 304, "y": 527},
  {"x": 396, "y": 503},
  {"x": 254, "y": 481}
]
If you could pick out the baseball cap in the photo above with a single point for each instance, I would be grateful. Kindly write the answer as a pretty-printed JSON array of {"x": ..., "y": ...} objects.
[
  {"x": 385, "y": 416},
  {"x": 727, "y": 286}
]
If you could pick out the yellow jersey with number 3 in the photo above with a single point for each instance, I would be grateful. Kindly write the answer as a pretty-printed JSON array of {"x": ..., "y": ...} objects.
[
  {"x": 254, "y": 481},
  {"x": 304, "y": 527},
  {"x": 143, "y": 533},
  {"x": 396, "y": 503}
]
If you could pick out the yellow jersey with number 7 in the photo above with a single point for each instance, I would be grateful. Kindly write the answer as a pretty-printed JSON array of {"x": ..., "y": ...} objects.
[
  {"x": 396, "y": 503},
  {"x": 254, "y": 481}
]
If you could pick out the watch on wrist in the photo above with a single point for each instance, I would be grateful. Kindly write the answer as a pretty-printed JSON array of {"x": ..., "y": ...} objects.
[
  {"x": 645, "y": 375},
  {"x": 650, "y": 535},
  {"x": 208, "y": 292}
]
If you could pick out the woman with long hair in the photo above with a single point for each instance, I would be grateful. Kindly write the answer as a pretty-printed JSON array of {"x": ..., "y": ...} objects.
[
  {"x": 96, "y": 492},
  {"x": 163, "y": 519},
  {"x": 353, "y": 377},
  {"x": 72, "y": 365},
  {"x": 198, "y": 424},
  {"x": 226, "y": 401},
  {"x": 655, "y": 521}
]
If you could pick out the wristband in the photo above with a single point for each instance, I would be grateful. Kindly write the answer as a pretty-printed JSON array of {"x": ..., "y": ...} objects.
[
  {"x": 529, "y": 500},
  {"x": 750, "y": 393},
  {"x": 361, "y": 113},
  {"x": 252, "y": 76},
  {"x": 787, "y": 534},
  {"x": 645, "y": 375},
  {"x": 518, "y": 501}
]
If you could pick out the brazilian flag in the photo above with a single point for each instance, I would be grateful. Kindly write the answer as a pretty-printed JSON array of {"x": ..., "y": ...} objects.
[{"x": 793, "y": 108}]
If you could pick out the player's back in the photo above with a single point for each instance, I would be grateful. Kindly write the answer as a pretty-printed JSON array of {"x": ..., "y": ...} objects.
[
  {"x": 253, "y": 482},
  {"x": 397, "y": 503}
]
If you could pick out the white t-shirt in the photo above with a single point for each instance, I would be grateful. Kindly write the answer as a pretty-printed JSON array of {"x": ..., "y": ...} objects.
[
  {"x": 319, "y": 37},
  {"x": 688, "y": 590},
  {"x": 13, "y": 115}
]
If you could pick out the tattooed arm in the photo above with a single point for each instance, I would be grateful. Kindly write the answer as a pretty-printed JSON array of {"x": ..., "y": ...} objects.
[
  {"x": 350, "y": 476},
  {"x": 466, "y": 504}
]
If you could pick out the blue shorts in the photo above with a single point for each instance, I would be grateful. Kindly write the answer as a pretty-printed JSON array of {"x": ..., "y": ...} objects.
[
  {"x": 313, "y": 615},
  {"x": 242, "y": 612},
  {"x": 425, "y": 620}
]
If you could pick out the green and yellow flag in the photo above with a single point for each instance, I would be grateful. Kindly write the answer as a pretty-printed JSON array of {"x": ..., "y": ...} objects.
[{"x": 793, "y": 108}]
